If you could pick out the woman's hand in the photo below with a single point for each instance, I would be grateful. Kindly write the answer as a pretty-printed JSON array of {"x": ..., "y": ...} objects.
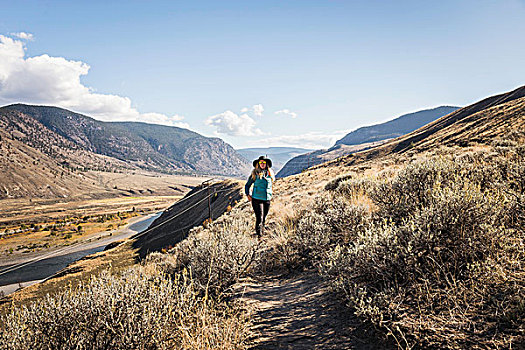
[{"x": 249, "y": 198}]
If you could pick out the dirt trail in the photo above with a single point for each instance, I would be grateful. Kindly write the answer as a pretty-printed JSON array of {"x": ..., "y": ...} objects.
[{"x": 299, "y": 312}]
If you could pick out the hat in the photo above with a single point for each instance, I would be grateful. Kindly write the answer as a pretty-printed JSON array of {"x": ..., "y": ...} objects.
[{"x": 268, "y": 161}]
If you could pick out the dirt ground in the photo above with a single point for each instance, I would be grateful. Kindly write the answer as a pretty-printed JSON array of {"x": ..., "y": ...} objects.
[{"x": 300, "y": 312}]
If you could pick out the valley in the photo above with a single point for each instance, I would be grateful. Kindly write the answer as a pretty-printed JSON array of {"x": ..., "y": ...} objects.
[
  {"x": 55, "y": 232},
  {"x": 117, "y": 192},
  {"x": 262, "y": 175},
  {"x": 22, "y": 270}
]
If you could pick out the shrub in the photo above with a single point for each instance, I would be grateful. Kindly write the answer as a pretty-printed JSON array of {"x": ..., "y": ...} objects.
[
  {"x": 438, "y": 255},
  {"x": 353, "y": 189},
  {"x": 312, "y": 232},
  {"x": 333, "y": 184},
  {"x": 218, "y": 256},
  {"x": 331, "y": 220},
  {"x": 141, "y": 309}
]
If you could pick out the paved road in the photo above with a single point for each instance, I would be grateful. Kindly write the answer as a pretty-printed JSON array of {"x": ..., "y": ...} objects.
[{"x": 44, "y": 268}]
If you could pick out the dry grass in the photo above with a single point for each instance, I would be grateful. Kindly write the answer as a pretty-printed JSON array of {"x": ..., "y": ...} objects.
[
  {"x": 115, "y": 260},
  {"x": 141, "y": 308},
  {"x": 441, "y": 263}
]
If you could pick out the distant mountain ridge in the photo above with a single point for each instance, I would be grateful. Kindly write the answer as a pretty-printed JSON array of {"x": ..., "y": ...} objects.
[
  {"x": 148, "y": 146},
  {"x": 278, "y": 155},
  {"x": 479, "y": 123},
  {"x": 471, "y": 119},
  {"x": 307, "y": 160},
  {"x": 395, "y": 127},
  {"x": 364, "y": 138}
]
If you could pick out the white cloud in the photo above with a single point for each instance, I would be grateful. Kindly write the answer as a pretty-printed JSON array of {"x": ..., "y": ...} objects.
[
  {"x": 158, "y": 118},
  {"x": 23, "y": 35},
  {"x": 56, "y": 81},
  {"x": 258, "y": 110},
  {"x": 232, "y": 124},
  {"x": 312, "y": 140},
  {"x": 286, "y": 111}
]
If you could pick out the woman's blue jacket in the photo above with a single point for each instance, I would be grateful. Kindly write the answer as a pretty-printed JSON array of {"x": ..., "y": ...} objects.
[{"x": 262, "y": 187}]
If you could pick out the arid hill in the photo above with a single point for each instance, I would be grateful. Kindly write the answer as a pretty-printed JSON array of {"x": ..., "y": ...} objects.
[{"x": 37, "y": 162}]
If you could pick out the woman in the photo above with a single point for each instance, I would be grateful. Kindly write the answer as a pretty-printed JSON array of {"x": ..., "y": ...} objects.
[{"x": 262, "y": 178}]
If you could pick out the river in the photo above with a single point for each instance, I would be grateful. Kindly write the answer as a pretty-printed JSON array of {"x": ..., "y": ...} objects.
[{"x": 41, "y": 269}]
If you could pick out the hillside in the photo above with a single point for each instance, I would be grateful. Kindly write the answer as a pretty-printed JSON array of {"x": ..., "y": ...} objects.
[
  {"x": 364, "y": 138},
  {"x": 36, "y": 162},
  {"x": 147, "y": 146},
  {"x": 202, "y": 203},
  {"x": 477, "y": 124},
  {"x": 189, "y": 150}
]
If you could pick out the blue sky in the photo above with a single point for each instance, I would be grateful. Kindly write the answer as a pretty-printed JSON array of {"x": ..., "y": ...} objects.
[{"x": 326, "y": 67}]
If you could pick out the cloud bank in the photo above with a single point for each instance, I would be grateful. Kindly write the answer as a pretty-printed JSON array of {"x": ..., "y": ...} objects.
[
  {"x": 56, "y": 81},
  {"x": 23, "y": 35},
  {"x": 230, "y": 123}
]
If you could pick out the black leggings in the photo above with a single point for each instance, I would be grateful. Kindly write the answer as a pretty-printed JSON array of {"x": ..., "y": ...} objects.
[{"x": 261, "y": 209}]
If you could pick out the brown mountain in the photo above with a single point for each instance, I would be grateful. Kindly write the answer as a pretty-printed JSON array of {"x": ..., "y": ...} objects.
[
  {"x": 148, "y": 146},
  {"x": 46, "y": 151},
  {"x": 37, "y": 162}
]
